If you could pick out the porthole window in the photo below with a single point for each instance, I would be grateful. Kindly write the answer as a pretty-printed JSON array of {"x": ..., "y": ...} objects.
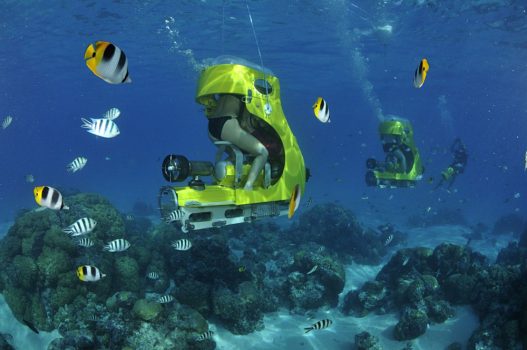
[{"x": 263, "y": 86}]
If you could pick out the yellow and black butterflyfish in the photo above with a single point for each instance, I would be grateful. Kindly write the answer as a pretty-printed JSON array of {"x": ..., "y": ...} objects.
[
  {"x": 108, "y": 62},
  {"x": 420, "y": 73}
]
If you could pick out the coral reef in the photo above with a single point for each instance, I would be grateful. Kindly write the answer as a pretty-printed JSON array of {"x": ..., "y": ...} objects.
[
  {"x": 412, "y": 324},
  {"x": 233, "y": 275},
  {"x": 422, "y": 284},
  {"x": 241, "y": 312},
  {"x": 146, "y": 310},
  {"x": 338, "y": 229}
]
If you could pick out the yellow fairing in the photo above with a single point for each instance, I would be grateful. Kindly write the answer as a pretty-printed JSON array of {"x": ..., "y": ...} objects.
[{"x": 239, "y": 79}]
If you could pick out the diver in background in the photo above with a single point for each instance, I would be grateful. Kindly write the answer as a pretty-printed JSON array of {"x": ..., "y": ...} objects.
[
  {"x": 224, "y": 125},
  {"x": 457, "y": 166}
]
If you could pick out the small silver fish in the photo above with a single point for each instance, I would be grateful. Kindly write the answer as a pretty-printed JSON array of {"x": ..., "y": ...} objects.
[
  {"x": 81, "y": 227},
  {"x": 388, "y": 240},
  {"x": 6, "y": 122},
  {"x": 85, "y": 242},
  {"x": 319, "y": 325},
  {"x": 182, "y": 244},
  {"x": 165, "y": 299},
  {"x": 153, "y": 275},
  {"x": 313, "y": 269},
  {"x": 204, "y": 336},
  {"x": 129, "y": 217},
  {"x": 77, "y": 164},
  {"x": 117, "y": 245},
  {"x": 30, "y": 178}
]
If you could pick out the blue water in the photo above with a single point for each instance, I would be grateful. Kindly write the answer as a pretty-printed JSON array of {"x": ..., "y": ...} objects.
[{"x": 360, "y": 56}]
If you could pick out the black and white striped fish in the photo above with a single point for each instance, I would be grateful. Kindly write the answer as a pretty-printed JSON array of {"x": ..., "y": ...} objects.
[
  {"x": 112, "y": 113},
  {"x": 77, "y": 164},
  {"x": 80, "y": 227},
  {"x": 204, "y": 336},
  {"x": 108, "y": 62},
  {"x": 177, "y": 214},
  {"x": 117, "y": 245},
  {"x": 165, "y": 299},
  {"x": 93, "y": 318},
  {"x": 85, "y": 242},
  {"x": 6, "y": 122},
  {"x": 153, "y": 275},
  {"x": 101, "y": 127},
  {"x": 49, "y": 197},
  {"x": 319, "y": 325},
  {"x": 182, "y": 244}
]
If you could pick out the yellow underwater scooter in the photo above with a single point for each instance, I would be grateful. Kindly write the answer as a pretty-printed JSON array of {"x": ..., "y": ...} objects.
[
  {"x": 224, "y": 201},
  {"x": 402, "y": 166}
]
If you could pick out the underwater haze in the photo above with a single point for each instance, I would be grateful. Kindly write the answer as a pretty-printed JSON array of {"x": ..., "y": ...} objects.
[{"x": 420, "y": 267}]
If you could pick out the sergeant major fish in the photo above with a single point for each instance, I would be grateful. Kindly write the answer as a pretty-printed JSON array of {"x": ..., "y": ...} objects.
[
  {"x": 165, "y": 299},
  {"x": 153, "y": 275},
  {"x": 6, "y": 122},
  {"x": 85, "y": 242},
  {"x": 108, "y": 62},
  {"x": 49, "y": 197},
  {"x": 319, "y": 325},
  {"x": 101, "y": 127},
  {"x": 117, "y": 245},
  {"x": 80, "y": 227},
  {"x": 175, "y": 215},
  {"x": 77, "y": 164},
  {"x": 112, "y": 113},
  {"x": 182, "y": 244},
  {"x": 205, "y": 336}
]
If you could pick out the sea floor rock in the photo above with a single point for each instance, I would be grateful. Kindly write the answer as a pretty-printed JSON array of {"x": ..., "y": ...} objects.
[
  {"x": 366, "y": 341},
  {"x": 147, "y": 310},
  {"x": 412, "y": 324}
]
